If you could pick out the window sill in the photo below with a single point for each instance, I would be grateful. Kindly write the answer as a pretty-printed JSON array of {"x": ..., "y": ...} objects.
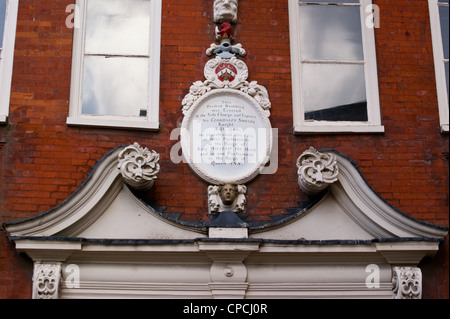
[
  {"x": 444, "y": 128},
  {"x": 348, "y": 129},
  {"x": 119, "y": 124},
  {"x": 3, "y": 119}
]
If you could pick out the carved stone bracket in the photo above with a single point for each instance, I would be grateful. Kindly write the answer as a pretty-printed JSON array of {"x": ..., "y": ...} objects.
[
  {"x": 139, "y": 166},
  {"x": 46, "y": 279},
  {"x": 316, "y": 171},
  {"x": 227, "y": 198},
  {"x": 407, "y": 283},
  {"x": 228, "y": 273}
]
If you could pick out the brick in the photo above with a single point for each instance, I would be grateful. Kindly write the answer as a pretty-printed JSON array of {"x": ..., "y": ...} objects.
[{"x": 52, "y": 159}]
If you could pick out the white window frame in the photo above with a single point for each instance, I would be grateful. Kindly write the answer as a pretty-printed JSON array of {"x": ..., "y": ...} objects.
[
  {"x": 438, "y": 52},
  {"x": 151, "y": 121},
  {"x": 7, "y": 59},
  {"x": 302, "y": 126}
]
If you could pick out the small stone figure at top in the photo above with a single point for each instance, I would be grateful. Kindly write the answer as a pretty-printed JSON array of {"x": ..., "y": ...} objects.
[
  {"x": 225, "y": 11},
  {"x": 225, "y": 14}
]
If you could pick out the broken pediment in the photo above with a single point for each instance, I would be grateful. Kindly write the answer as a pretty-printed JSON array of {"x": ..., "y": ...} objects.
[
  {"x": 347, "y": 208},
  {"x": 105, "y": 207},
  {"x": 105, "y": 224}
]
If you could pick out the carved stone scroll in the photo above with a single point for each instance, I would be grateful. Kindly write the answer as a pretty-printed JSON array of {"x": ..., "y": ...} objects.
[
  {"x": 316, "y": 171},
  {"x": 139, "y": 166},
  {"x": 407, "y": 283},
  {"x": 46, "y": 278}
]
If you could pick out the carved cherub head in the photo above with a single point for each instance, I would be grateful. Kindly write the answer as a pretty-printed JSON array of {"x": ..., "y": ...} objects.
[
  {"x": 225, "y": 11},
  {"x": 228, "y": 194},
  {"x": 227, "y": 197}
]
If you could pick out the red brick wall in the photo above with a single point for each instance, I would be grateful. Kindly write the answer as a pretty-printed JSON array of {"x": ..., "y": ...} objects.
[{"x": 44, "y": 160}]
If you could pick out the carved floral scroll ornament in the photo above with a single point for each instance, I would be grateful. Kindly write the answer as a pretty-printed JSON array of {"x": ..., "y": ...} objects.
[
  {"x": 139, "y": 166},
  {"x": 316, "y": 171},
  {"x": 46, "y": 280},
  {"x": 407, "y": 283}
]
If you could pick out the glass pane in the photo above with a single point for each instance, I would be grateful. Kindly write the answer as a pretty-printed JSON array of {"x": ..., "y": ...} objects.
[
  {"x": 118, "y": 27},
  {"x": 331, "y": 33},
  {"x": 2, "y": 20},
  {"x": 334, "y": 92},
  {"x": 443, "y": 14},
  {"x": 115, "y": 86}
]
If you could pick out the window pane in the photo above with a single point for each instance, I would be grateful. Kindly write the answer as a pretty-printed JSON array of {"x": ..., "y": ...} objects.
[
  {"x": 2, "y": 20},
  {"x": 115, "y": 86},
  {"x": 118, "y": 27},
  {"x": 331, "y": 33},
  {"x": 334, "y": 92},
  {"x": 443, "y": 14}
]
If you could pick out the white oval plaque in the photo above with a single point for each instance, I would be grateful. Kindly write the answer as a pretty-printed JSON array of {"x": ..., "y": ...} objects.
[{"x": 226, "y": 137}]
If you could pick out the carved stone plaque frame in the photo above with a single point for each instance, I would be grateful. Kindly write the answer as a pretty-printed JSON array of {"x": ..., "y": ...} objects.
[{"x": 226, "y": 137}]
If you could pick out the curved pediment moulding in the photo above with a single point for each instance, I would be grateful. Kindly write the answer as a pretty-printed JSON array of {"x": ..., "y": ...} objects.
[
  {"x": 346, "y": 207},
  {"x": 105, "y": 205},
  {"x": 372, "y": 212},
  {"x": 91, "y": 198},
  {"x": 349, "y": 209}
]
